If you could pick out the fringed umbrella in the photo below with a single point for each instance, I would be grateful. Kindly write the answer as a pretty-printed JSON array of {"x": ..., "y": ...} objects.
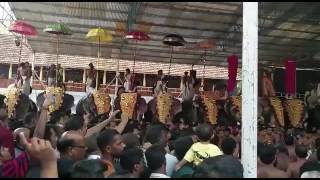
[
  {"x": 137, "y": 36},
  {"x": 58, "y": 29},
  {"x": 205, "y": 45},
  {"x": 23, "y": 28},
  {"x": 173, "y": 40},
  {"x": 101, "y": 36}
]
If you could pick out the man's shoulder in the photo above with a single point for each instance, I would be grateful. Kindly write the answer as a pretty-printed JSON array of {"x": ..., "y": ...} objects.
[
  {"x": 183, "y": 171},
  {"x": 205, "y": 147},
  {"x": 4, "y": 129},
  {"x": 271, "y": 173},
  {"x": 310, "y": 166},
  {"x": 200, "y": 145},
  {"x": 212, "y": 146},
  {"x": 5, "y": 132},
  {"x": 65, "y": 162},
  {"x": 171, "y": 157},
  {"x": 281, "y": 174}
]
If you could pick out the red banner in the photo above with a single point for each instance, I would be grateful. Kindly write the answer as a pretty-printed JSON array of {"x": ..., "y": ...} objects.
[
  {"x": 290, "y": 76},
  {"x": 232, "y": 72}
]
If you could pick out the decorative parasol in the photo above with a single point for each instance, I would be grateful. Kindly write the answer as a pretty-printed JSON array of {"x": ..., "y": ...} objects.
[
  {"x": 137, "y": 36},
  {"x": 57, "y": 29},
  {"x": 173, "y": 40},
  {"x": 101, "y": 36},
  {"x": 23, "y": 28},
  {"x": 232, "y": 72},
  {"x": 205, "y": 45}
]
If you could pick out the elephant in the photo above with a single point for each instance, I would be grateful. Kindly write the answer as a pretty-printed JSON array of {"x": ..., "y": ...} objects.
[
  {"x": 312, "y": 122},
  {"x": 97, "y": 112},
  {"x": 140, "y": 107},
  {"x": 23, "y": 106},
  {"x": 152, "y": 112},
  {"x": 67, "y": 104}
]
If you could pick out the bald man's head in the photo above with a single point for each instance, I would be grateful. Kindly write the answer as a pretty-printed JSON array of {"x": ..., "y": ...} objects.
[
  {"x": 25, "y": 131},
  {"x": 72, "y": 144},
  {"x": 16, "y": 136},
  {"x": 72, "y": 135}
]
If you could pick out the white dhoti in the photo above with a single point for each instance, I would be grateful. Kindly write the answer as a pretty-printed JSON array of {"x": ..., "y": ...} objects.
[
  {"x": 26, "y": 85},
  {"x": 13, "y": 85},
  {"x": 187, "y": 92},
  {"x": 51, "y": 81},
  {"x": 127, "y": 86},
  {"x": 89, "y": 88}
]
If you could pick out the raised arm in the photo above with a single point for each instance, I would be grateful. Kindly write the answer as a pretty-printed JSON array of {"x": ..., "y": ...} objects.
[
  {"x": 123, "y": 123},
  {"x": 97, "y": 128},
  {"x": 41, "y": 124},
  {"x": 42, "y": 151}
]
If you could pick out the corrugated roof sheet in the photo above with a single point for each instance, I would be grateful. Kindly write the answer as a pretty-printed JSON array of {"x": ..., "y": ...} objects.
[
  {"x": 9, "y": 53},
  {"x": 286, "y": 28}
]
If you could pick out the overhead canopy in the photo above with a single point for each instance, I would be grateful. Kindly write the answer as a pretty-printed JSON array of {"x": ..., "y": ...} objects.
[{"x": 286, "y": 29}]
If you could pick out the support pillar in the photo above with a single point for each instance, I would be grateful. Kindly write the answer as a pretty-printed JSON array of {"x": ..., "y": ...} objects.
[
  {"x": 117, "y": 74},
  {"x": 84, "y": 76},
  {"x": 115, "y": 57},
  {"x": 144, "y": 80},
  {"x": 181, "y": 82},
  {"x": 64, "y": 75},
  {"x": 97, "y": 79},
  {"x": 10, "y": 72},
  {"x": 249, "y": 89},
  {"x": 104, "y": 77},
  {"x": 32, "y": 67},
  {"x": 41, "y": 73}
]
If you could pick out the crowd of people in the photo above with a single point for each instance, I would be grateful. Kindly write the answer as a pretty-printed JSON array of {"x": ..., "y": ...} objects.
[{"x": 62, "y": 144}]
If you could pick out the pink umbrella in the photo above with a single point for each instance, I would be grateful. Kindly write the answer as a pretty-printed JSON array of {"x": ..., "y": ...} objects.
[
  {"x": 137, "y": 36},
  {"x": 24, "y": 29}
]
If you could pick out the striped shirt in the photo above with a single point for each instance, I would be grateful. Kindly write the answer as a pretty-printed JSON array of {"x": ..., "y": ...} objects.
[{"x": 16, "y": 168}]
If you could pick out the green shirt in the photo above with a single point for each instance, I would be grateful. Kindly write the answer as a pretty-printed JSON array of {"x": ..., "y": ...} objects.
[{"x": 183, "y": 171}]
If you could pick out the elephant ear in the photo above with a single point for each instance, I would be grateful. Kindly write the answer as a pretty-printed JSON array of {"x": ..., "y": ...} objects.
[
  {"x": 79, "y": 107},
  {"x": 177, "y": 106},
  {"x": 314, "y": 118},
  {"x": 2, "y": 97},
  {"x": 152, "y": 105},
  {"x": 68, "y": 102},
  {"x": 151, "y": 110},
  {"x": 22, "y": 107},
  {"x": 40, "y": 99},
  {"x": 143, "y": 107},
  {"x": 33, "y": 106},
  {"x": 88, "y": 105}
]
